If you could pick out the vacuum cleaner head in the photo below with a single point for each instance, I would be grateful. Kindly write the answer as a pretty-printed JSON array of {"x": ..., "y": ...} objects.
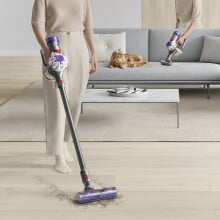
[
  {"x": 166, "y": 62},
  {"x": 94, "y": 195}
]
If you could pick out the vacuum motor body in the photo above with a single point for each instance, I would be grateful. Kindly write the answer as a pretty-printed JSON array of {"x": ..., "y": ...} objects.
[{"x": 57, "y": 62}]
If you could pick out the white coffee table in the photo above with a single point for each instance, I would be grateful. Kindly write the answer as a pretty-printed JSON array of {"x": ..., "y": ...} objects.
[{"x": 152, "y": 96}]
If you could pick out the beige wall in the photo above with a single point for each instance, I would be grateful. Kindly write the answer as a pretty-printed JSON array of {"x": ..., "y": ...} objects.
[{"x": 161, "y": 13}]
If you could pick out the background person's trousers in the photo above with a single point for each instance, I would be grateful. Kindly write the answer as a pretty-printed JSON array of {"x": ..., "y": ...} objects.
[{"x": 74, "y": 47}]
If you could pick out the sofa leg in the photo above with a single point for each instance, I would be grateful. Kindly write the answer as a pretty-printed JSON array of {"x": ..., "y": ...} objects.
[
  {"x": 81, "y": 111},
  {"x": 93, "y": 86},
  {"x": 208, "y": 91}
]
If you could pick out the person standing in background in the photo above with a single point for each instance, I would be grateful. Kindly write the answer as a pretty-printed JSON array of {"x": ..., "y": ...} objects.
[
  {"x": 188, "y": 16},
  {"x": 72, "y": 22}
]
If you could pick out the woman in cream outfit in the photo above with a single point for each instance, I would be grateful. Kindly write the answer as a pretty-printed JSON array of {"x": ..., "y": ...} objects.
[
  {"x": 71, "y": 21},
  {"x": 188, "y": 15}
]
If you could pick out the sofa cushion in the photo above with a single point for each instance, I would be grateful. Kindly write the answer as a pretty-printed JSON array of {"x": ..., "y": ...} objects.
[
  {"x": 211, "y": 50},
  {"x": 192, "y": 50},
  {"x": 106, "y": 44},
  {"x": 136, "y": 39},
  {"x": 191, "y": 71}
]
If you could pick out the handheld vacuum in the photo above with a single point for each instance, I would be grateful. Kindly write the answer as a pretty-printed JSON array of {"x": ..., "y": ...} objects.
[
  {"x": 56, "y": 66},
  {"x": 174, "y": 48}
]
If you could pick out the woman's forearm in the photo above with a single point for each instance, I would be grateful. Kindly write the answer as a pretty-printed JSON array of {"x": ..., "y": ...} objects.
[
  {"x": 189, "y": 30},
  {"x": 93, "y": 59},
  {"x": 40, "y": 38},
  {"x": 90, "y": 42}
]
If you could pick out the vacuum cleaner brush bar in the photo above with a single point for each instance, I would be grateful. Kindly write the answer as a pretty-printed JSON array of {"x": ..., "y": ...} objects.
[{"x": 95, "y": 195}]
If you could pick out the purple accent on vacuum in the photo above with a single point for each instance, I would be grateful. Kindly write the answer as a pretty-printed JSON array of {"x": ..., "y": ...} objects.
[
  {"x": 52, "y": 39},
  {"x": 53, "y": 43},
  {"x": 59, "y": 58},
  {"x": 169, "y": 44},
  {"x": 177, "y": 33}
]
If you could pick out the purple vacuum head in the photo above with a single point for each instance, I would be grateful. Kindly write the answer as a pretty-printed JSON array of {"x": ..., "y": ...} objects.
[{"x": 95, "y": 195}]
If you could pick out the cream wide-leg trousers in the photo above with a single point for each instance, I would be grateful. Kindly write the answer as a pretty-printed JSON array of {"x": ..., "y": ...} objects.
[{"x": 75, "y": 49}]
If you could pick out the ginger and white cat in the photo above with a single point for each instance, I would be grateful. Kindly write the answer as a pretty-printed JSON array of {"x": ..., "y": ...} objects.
[{"x": 123, "y": 60}]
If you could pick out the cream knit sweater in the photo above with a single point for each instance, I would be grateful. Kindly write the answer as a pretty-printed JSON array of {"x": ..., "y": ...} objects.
[
  {"x": 188, "y": 11},
  {"x": 62, "y": 15}
]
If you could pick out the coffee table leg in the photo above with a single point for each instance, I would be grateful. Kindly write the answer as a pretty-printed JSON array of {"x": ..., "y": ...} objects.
[{"x": 178, "y": 114}]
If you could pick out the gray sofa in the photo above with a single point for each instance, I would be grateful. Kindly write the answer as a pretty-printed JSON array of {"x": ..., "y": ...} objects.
[{"x": 150, "y": 43}]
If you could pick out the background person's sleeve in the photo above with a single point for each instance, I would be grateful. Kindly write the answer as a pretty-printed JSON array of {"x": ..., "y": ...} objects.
[{"x": 197, "y": 11}]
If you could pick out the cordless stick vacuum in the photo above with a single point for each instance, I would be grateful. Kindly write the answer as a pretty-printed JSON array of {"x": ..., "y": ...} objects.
[
  {"x": 174, "y": 48},
  {"x": 56, "y": 66}
]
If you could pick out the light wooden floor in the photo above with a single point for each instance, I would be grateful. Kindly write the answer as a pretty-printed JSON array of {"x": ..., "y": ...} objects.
[
  {"x": 156, "y": 181},
  {"x": 16, "y": 73}
]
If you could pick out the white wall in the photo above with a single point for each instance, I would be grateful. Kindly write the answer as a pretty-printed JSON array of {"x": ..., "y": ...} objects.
[{"x": 16, "y": 33}]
